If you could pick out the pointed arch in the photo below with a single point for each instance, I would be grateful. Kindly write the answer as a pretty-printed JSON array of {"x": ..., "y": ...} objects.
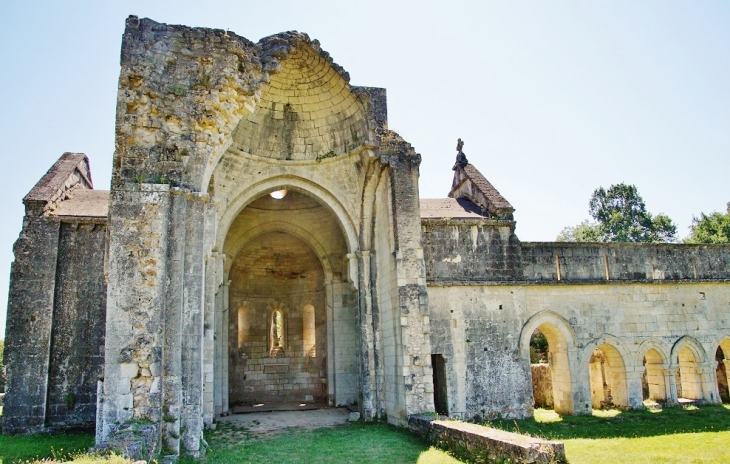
[{"x": 692, "y": 344}]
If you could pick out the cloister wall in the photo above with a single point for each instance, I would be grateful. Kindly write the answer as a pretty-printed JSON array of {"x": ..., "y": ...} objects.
[{"x": 663, "y": 297}]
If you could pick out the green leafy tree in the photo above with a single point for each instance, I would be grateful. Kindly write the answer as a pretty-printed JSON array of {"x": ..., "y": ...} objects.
[
  {"x": 622, "y": 217},
  {"x": 712, "y": 228},
  {"x": 586, "y": 231}
]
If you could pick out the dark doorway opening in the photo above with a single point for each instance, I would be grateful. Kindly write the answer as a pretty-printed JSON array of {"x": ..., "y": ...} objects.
[{"x": 440, "y": 399}]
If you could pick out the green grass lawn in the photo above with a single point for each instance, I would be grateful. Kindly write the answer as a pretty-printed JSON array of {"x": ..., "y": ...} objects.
[
  {"x": 695, "y": 434},
  {"x": 351, "y": 443},
  {"x": 673, "y": 435},
  {"x": 15, "y": 448}
]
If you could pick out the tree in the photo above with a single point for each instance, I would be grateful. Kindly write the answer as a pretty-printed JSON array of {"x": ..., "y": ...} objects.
[
  {"x": 714, "y": 228},
  {"x": 586, "y": 231},
  {"x": 622, "y": 217}
]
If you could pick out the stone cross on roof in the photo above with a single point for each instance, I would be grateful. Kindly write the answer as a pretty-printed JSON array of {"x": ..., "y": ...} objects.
[{"x": 461, "y": 160}]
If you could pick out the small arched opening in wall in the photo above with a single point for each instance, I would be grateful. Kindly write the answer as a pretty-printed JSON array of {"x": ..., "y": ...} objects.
[
  {"x": 551, "y": 379},
  {"x": 244, "y": 325},
  {"x": 653, "y": 381},
  {"x": 277, "y": 333},
  {"x": 722, "y": 357},
  {"x": 607, "y": 378},
  {"x": 309, "y": 332}
]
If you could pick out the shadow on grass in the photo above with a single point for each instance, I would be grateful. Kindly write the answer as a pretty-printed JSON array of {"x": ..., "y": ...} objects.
[{"x": 622, "y": 424}]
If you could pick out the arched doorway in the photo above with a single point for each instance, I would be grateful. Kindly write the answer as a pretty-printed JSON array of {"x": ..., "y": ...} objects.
[
  {"x": 555, "y": 388},
  {"x": 654, "y": 387},
  {"x": 689, "y": 378},
  {"x": 722, "y": 357},
  {"x": 608, "y": 378},
  {"x": 292, "y": 328}
]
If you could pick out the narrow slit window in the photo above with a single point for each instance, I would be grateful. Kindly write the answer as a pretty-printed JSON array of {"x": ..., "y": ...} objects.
[{"x": 276, "y": 333}]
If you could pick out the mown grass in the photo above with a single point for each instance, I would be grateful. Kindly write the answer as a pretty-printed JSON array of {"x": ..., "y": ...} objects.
[
  {"x": 21, "y": 448},
  {"x": 351, "y": 443},
  {"x": 695, "y": 434}
]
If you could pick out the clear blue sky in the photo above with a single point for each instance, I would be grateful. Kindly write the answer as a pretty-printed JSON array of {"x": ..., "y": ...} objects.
[{"x": 553, "y": 99}]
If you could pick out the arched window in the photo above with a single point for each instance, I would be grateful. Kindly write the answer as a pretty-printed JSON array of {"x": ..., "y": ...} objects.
[
  {"x": 309, "y": 345},
  {"x": 277, "y": 333},
  {"x": 244, "y": 325}
]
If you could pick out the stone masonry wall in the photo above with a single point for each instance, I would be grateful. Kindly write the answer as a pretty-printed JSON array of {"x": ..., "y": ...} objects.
[
  {"x": 77, "y": 342},
  {"x": 477, "y": 250},
  {"x": 55, "y": 330},
  {"x": 638, "y": 262},
  {"x": 484, "y": 331}
]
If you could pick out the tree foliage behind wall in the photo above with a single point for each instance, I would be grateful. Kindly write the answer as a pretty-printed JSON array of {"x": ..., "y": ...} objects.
[
  {"x": 620, "y": 215},
  {"x": 710, "y": 228}
]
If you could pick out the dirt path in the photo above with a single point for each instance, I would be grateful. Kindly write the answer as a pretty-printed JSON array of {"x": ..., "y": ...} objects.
[{"x": 237, "y": 427}]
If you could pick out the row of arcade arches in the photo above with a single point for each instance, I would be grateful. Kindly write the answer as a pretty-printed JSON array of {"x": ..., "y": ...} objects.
[{"x": 607, "y": 372}]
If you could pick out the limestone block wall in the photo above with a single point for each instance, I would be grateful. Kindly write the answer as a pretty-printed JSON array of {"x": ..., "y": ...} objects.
[
  {"x": 55, "y": 328},
  {"x": 624, "y": 261},
  {"x": 476, "y": 250},
  {"x": 77, "y": 339}
]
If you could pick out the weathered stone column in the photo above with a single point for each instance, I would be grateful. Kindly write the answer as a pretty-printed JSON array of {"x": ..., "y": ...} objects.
[
  {"x": 368, "y": 394},
  {"x": 191, "y": 417},
  {"x": 221, "y": 328},
  {"x": 138, "y": 236},
  {"x": 29, "y": 323},
  {"x": 411, "y": 281},
  {"x": 172, "y": 363},
  {"x": 635, "y": 392},
  {"x": 670, "y": 381},
  {"x": 224, "y": 354},
  {"x": 710, "y": 392}
]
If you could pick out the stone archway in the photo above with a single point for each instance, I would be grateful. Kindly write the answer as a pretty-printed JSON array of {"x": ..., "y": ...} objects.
[
  {"x": 286, "y": 262},
  {"x": 654, "y": 375},
  {"x": 561, "y": 342},
  {"x": 722, "y": 357},
  {"x": 276, "y": 277},
  {"x": 690, "y": 358},
  {"x": 608, "y": 377}
]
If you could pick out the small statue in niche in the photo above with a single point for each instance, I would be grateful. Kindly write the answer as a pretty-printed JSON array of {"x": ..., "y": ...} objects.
[{"x": 461, "y": 160}]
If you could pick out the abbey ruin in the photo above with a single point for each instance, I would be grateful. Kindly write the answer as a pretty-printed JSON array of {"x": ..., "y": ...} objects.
[{"x": 263, "y": 241}]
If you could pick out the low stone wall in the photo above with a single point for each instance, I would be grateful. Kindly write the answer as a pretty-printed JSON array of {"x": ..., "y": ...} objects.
[
  {"x": 480, "y": 444},
  {"x": 542, "y": 385}
]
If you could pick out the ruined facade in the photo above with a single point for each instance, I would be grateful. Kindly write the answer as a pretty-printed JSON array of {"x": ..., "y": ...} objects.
[{"x": 263, "y": 241}]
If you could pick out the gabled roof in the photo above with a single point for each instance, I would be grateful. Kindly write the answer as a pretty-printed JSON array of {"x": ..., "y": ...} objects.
[
  {"x": 71, "y": 170},
  {"x": 470, "y": 184},
  {"x": 451, "y": 208}
]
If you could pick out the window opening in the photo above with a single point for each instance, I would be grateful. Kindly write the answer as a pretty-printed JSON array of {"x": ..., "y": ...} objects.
[{"x": 309, "y": 337}]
